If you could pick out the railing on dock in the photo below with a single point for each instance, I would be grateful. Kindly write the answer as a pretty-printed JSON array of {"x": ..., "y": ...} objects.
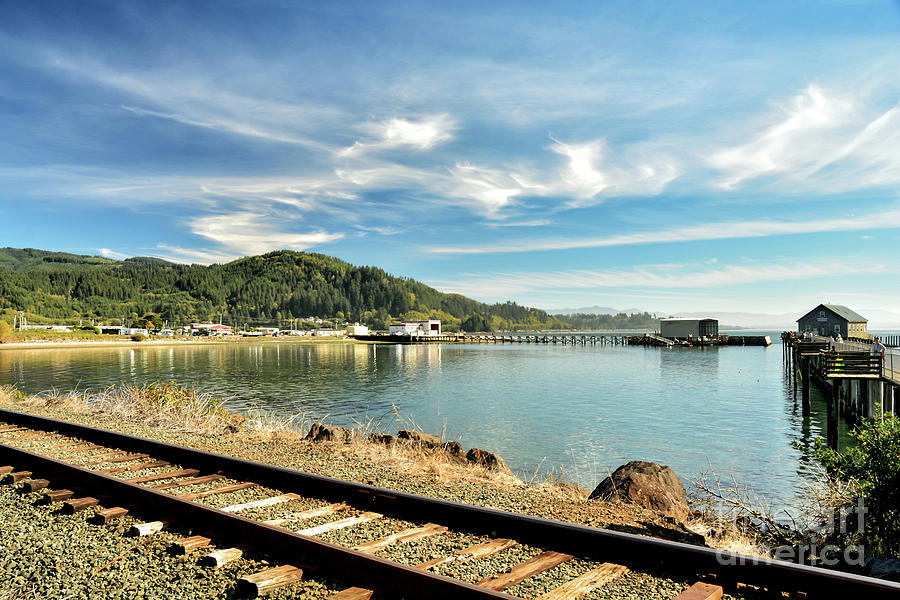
[{"x": 852, "y": 365}]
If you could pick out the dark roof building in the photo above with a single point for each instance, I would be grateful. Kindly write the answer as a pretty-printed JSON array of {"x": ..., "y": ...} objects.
[{"x": 834, "y": 319}]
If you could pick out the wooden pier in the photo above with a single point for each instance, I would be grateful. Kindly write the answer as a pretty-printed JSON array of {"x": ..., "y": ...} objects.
[
  {"x": 574, "y": 339},
  {"x": 571, "y": 339},
  {"x": 855, "y": 382}
]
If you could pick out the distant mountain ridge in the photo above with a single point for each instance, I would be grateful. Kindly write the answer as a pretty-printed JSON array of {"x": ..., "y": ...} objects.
[{"x": 595, "y": 310}]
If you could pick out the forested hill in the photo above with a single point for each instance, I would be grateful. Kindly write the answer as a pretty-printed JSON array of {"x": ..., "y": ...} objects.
[{"x": 55, "y": 286}]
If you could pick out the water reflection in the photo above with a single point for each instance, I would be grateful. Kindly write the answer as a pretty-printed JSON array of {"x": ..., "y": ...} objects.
[{"x": 587, "y": 409}]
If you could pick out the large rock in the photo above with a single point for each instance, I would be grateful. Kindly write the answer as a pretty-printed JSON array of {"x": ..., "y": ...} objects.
[
  {"x": 381, "y": 438},
  {"x": 320, "y": 432},
  {"x": 488, "y": 460},
  {"x": 426, "y": 440},
  {"x": 646, "y": 484},
  {"x": 883, "y": 568}
]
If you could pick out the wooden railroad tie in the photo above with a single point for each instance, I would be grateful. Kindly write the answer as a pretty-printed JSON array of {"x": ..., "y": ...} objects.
[
  {"x": 16, "y": 476},
  {"x": 220, "y": 558},
  {"x": 328, "y": 509},
  {"x": 584, "y": 584},
  {"x": 522, "y": 571},
  {"x": 108, "y": 515},
  {"x": 147, "y": 465},
  {"x": 11, "y": 429},
  {"x": 70, "y": 507},
  {"x": 128, "y": 458},
  {"x": 58, "y": 495},
  {"x": 268, "y": 580},
  {"x": 341, "y": 524},
  {"x": 72, "y": 448},
  {"x": 190, "y": 481},
  {"x": 33, "y": 485},
  {"x": 36, "y": 436},
  {"x": 117, "y": 454},
  {"x": 149, "y": 528},
  {"x": 189, "y": 544},
  {"x": 476, "y": 551},
  {"x": 166, "y": 475},
  {"x": 354, "y": 593},
  {"x": 261, "y": 503},
  {"x": 701, "y": 591},
  {"x": 408, "y": 535},
  {"x": 219, "y": 490}
]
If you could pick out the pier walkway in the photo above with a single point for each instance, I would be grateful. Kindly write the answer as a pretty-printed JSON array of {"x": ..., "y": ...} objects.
[{"x": 854, "y": 382}]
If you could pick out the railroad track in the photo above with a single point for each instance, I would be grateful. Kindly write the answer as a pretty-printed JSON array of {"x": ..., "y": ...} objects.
[{"x": 359, "y": 533}]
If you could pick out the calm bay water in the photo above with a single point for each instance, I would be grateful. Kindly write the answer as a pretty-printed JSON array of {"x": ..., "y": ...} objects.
[{"x": 581, "y": 410}]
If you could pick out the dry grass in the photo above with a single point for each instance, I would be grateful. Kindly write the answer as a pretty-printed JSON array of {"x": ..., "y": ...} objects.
[{"x": 165, "y": 406}]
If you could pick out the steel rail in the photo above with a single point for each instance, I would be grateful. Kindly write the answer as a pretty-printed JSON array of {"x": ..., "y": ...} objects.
[
  {"x": 603, "y": 545},
  {"x": 390, "y": 578}
]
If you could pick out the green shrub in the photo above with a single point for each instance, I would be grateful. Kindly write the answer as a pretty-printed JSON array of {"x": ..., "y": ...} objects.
[
  {"x": 871, "y": 469},
  {"x": 138, "y": 337}
]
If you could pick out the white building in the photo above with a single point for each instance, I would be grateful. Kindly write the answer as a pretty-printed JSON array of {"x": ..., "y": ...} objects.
[
  {"x": 357, "y": 329},
  {"x": 329, "y": 332},
  {"x": 432, "y": 327},
  {"x": 133, "y": 331}
]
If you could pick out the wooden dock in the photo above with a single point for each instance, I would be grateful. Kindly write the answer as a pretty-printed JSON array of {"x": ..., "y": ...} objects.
[
  {"x": 571, "y": 339},
  {"x": 855, "y": 382}
]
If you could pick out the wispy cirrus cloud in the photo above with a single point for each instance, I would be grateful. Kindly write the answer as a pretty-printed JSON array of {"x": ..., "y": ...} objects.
[
  {"x": 830, "y": 139},
  {"x": 192, "y": 99},
  {"x": 417, "y": 134},
  {"x": 706, "y": 231}
]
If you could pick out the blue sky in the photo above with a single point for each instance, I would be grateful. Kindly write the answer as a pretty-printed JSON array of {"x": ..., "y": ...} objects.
[{"x": 666, "y": 156}]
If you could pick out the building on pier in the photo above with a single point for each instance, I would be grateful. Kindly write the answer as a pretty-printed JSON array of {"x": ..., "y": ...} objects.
[
  {"x": 683, "y": 328},
  {"x": 834, "y": 319},
  {"x": 432, "y": 327}
]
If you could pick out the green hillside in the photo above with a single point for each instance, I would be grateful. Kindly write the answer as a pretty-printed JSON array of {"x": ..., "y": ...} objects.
[{"x": 272, "y": 288}]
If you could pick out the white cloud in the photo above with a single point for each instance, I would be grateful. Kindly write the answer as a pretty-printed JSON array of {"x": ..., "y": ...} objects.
[
  {"x": 707, "y": 231},
  {"x": 107, "y": 253},
  {"x": 249, "y": 233},
  {"x": 592, "y": 171},
  {"x": 200, "y": 256},
  {"x": 422, "y": 134},
  {"x": 833, "y": 140}
]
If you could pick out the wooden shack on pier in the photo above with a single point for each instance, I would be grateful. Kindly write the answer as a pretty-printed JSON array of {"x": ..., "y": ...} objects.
[
  {"x": 683, "y": 328},
  {"x": 834, "y": 319}
]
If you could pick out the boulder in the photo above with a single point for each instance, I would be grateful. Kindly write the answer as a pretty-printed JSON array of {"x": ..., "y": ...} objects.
[
  {"x": 488, "y": 460},
  {"x": 320, "y": 432},
  {"x": 454, "y": 448},
  {"x": 382, "y": 438},
  {"x": 426, "y": 440},
  {"x": 647, "y": 484},
  {"x": 883, "y": 568}
]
